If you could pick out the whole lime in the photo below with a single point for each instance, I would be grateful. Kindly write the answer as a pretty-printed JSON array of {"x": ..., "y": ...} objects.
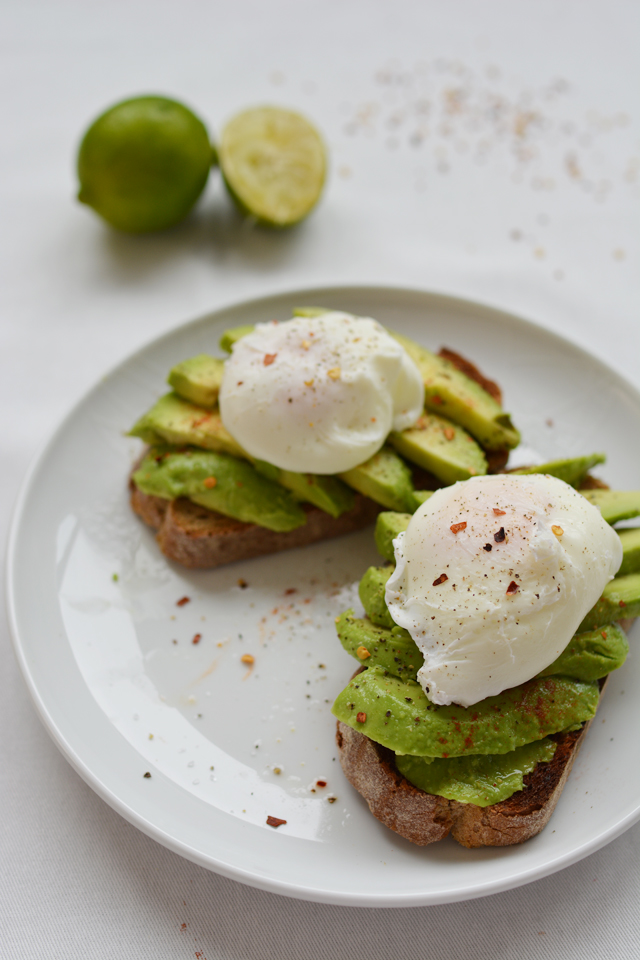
[
  {"x": 273, "y": 162},
  {"x": 143, "y": 164}
]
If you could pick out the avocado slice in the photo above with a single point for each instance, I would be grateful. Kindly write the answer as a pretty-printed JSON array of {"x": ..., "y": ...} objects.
[
  {"x": 384, "y": 478},
  {"x": 371, "y": 592},
  {"x": 587, "y": 656},
  {"x": 481, "y": 780},
  {"x": 229, "y": 337},
  {"x": 219, "y": 482},
  {"x": 572, "y": 471},
  {"x": 620, "y": 599},
  {"x": 397, "y": 714},
  {"x": 450, "y": 393},
  {"x": 418, "y": 498},
  {"x": 442, "y": 447},
  {"x": 198, "y": 379},
  {"x": 310, "y": 311},
  {"x": 615, "y": 505},
  {"x": 388, "y": 525},
  {"x": 174, "y": 420},
  {"x": 630, "y": 551}
]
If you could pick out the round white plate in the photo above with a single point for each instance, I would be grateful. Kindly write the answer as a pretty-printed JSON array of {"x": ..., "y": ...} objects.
[{"x": 109, "y": 660}]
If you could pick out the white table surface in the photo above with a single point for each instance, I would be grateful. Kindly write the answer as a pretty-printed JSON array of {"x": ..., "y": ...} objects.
[{"x": 482, "y": 148}]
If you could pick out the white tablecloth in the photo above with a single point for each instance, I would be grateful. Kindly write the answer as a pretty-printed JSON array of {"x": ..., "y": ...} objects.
[{"x": 482, "y": 148}]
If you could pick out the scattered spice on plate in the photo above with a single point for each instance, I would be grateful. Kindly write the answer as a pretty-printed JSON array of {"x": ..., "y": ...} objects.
[
  {"x": 457, "y": 527},
  {"x": 439, "y": 580},
  {"x": 197, "y": 638},
  {"x": 182, "y": 601},
  {"x": 275, "y": 821}
]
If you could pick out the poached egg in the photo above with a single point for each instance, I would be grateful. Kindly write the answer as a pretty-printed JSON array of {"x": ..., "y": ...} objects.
[
  {"x": 318, "y": 394},
  {"x": 493, "y": 576}
]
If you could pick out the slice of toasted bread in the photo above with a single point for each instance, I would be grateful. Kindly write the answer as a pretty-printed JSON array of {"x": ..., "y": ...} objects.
[
  {"x": 200, "y": 538},
  {"x": 423, "y": 817}
]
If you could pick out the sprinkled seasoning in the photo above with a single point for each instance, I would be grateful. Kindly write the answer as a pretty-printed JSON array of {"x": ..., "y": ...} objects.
[
  {"x": 363, "y": 653},
  {"x": 499, "y": 513},
  {"x": 197, "y": 638},
  {"x": 487, "y": 547},
  {"x": 210, "y": 482},
  {"x": 558, "y": 531},
  {"x": 439, "y": 580},
  {"x": 275, "y": 822},
  {"x": 512, "y": 588},
  {"x": 499, "y": 536},
  {"x": 361, "y": 717},
  {"x": 456, "y": 527},
  {"x": 269, "y": 359},
  {"x": 182, "y": 601}
]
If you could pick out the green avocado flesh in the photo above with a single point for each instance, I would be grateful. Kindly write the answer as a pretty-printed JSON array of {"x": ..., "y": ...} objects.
[
  {"x": 620, "y": 599},
  {"x": 388, "y": 526},
  {"x": 588, "y": 656},
  {"x": 371, "y": 593},
  {"x": 450, "y": 393},
  {"x": 441, "y": 447},
  {"x": 198, "y": 379},
  {"x": 176, "y": 421},
  {"x": 615, "y": 505},
  {"x": 384, "y": 478},
  {"x": 479, "y": 780},
  {"x": 397, "y": 714},
  {"x": 231, "y": 336},
  {"x": 572, "y": 471},
  {"x": 239, "y": 491},
  {"x": 630, "y": 540}
]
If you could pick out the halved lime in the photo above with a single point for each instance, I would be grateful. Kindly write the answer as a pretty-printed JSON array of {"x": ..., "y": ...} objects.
[
  {"x": 143, "y": 163},
  {"x": 274, "y": 163}
]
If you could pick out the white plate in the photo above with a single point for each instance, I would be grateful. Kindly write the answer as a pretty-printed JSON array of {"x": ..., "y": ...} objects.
[{"x": 122, "y": 699}]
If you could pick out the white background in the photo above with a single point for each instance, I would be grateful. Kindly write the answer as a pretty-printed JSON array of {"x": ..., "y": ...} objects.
[{"x": 488, "y": 149}]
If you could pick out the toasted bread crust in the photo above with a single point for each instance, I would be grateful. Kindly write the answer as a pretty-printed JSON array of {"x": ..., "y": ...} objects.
[
  {"x": 423, "y": 818},
  {"x": 200, "y": 538}
]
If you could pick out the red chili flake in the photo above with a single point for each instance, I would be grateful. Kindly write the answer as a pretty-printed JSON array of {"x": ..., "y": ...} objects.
[
  {"x": 289, "y": 591},
  {"x": 444, "y": 756},
  {"x": 239, "y": 383},
  {"x": 321, "y": 783},
  {"x": 183, "y": 926},
  {"x": 197, "y": 638},
  {"x": 513, "y": 587},
  {"x": 269, "y": 358},
  {"x": 436, "y": 399},
  {"x": 487, "y": 547},
  {"x": 603, "y": 634},
  {"x": 449, "y": 433},
  {"x": 622, "y": 603},
  {"x": 361, "y": 717},
  {"x": 439, "y": 580},
  {"x": 499, "y": 536},
  {"x": 499, "y": 513},
  {"x": 181, "y": 602},
  {"x": 456, "y": 527},
  {"x": 242, "y": 584},
  {"x": 239, "y": 483},
  {"x": 275, "y": 821}
]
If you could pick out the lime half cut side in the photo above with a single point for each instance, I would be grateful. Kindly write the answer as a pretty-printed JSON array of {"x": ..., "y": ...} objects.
[{"x": 274, "y": 164}]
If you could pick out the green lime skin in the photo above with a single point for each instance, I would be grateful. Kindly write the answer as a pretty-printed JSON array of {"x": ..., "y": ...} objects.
[{"x": 143, "y": 164}]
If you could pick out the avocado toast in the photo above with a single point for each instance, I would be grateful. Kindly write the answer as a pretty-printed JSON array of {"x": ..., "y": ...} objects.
[
  {"x": 489, "y": 774},
  {"x": 211, "y": 503}
]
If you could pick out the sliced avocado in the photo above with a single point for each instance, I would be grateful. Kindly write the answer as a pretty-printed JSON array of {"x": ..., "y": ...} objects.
[
  {"x": 572, "y": 471},
  {"x": 630, "y": 551},
  {"x": 385, "y": 478},
  {"x": 229, "y": 337},
  {"x": 442, "y": 447},
  {"x": 620, "y": 599},
  {"x": 198, "y": 379},
  {"x": 450, "y": 393},
  {"x": 615, "y": 505},
  {"x": 393, "y": 650},
  {"x": 177, "y": 421},
  {"x": 219, "y": 482},
  {"x": 591, "y": 655},
  {"x": 328, "y": 493},
  {"x": 371, "y": 593},
  {"x": 310, "y": 311},
  {"x": 588, "y": 656},
  {"x": 397, "y": 714},
  {"x": 388, "y": 526},
  {"x": 476, "y": 779}
]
